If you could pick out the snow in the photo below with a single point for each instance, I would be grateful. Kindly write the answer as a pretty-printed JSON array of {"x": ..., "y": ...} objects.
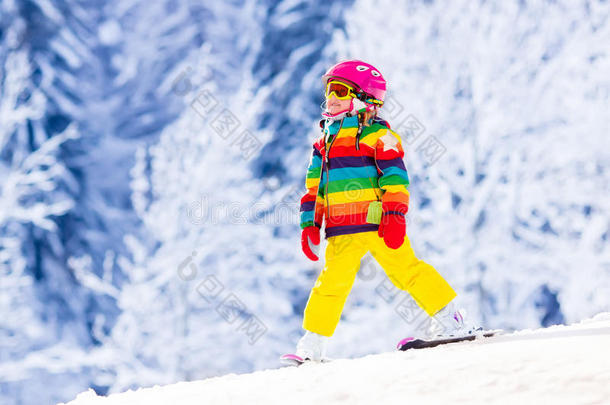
[
  {"x": 110, "y": 32},
  {"x": 558, "y": 365}
]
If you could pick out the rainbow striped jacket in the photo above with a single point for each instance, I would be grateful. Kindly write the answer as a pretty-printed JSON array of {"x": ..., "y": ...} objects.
[{"x": 343, "y": 178}]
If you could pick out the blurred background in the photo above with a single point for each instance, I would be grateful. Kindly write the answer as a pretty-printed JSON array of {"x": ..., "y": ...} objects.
[{"x": 152, "y": 155}]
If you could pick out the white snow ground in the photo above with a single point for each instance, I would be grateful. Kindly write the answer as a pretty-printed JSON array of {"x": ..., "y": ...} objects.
[{"x": 556, "y": 365}]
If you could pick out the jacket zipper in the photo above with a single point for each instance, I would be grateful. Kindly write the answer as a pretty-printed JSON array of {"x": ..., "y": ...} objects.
[
  {"x": 327, "y": 161},
  {"x": 375, "y": 159}
]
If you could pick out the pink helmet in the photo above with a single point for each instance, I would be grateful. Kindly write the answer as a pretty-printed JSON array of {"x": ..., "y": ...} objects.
[{"x": 363, "y": 75}]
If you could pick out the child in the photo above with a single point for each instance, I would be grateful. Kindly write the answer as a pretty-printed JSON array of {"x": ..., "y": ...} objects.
[{"x": 357, "y": 182}]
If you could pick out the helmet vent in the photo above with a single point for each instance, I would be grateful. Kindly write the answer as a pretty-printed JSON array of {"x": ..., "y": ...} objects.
[{"x": 361, "y": 68}]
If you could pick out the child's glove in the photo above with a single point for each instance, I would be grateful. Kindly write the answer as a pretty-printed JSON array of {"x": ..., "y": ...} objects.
[
  {"x": 392, "y": 229},
  {"x": 310, "y": 242}
]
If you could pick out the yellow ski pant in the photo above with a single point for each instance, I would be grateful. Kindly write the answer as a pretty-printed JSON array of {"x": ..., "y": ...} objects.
[{"x": 342, "y": 261}]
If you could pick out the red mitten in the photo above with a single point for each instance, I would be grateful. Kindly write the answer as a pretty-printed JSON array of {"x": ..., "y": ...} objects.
[
  {"x": 310, "y": 241},
  {"x": 392, "y": 229}
]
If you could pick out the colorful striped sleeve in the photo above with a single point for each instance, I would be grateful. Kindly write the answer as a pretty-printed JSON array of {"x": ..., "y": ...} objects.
[
  {"x": 312, "y": 202},
  {"x": 393, "y": 179}
]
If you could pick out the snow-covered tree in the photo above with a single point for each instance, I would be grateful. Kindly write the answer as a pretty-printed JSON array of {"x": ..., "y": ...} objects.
[
  {"x": 36, "y": 190},
  {"x": 81, "y": 91}
]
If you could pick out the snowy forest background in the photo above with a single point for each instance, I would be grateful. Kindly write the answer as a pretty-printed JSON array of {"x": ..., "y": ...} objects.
[{"x": 152, "y": 154}]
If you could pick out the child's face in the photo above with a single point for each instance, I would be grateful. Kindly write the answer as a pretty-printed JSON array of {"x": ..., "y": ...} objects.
[{"x": 334, "y": 105}]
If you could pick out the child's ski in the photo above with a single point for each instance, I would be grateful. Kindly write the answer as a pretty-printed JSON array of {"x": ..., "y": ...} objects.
[
  {"x": 294, "y": 360},
  {"x": 413, "y": 343},
  {"x": 291, "y": 360}
]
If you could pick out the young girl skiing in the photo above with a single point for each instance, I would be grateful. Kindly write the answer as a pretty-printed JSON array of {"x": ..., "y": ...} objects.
[{"x": 357, "y": 183}]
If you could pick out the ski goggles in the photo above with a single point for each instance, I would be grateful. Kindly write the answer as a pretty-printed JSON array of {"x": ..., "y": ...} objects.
[
  {"x": 344, "y": 91},
  {"x": 341, "y": 90}
]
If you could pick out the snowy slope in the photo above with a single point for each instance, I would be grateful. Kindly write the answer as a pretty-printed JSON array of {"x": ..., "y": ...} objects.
[{"x": 559, "y": 364}]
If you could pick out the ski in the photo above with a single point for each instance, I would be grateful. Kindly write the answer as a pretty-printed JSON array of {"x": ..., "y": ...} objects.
[
  {"x": 291, "y": 360},
  {"x": 413, "y": 343},
  {"x": 295, "y": 361}
]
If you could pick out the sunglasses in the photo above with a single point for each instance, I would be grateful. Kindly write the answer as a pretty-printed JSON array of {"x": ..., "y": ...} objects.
[{"x": 341, "y": 90}]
